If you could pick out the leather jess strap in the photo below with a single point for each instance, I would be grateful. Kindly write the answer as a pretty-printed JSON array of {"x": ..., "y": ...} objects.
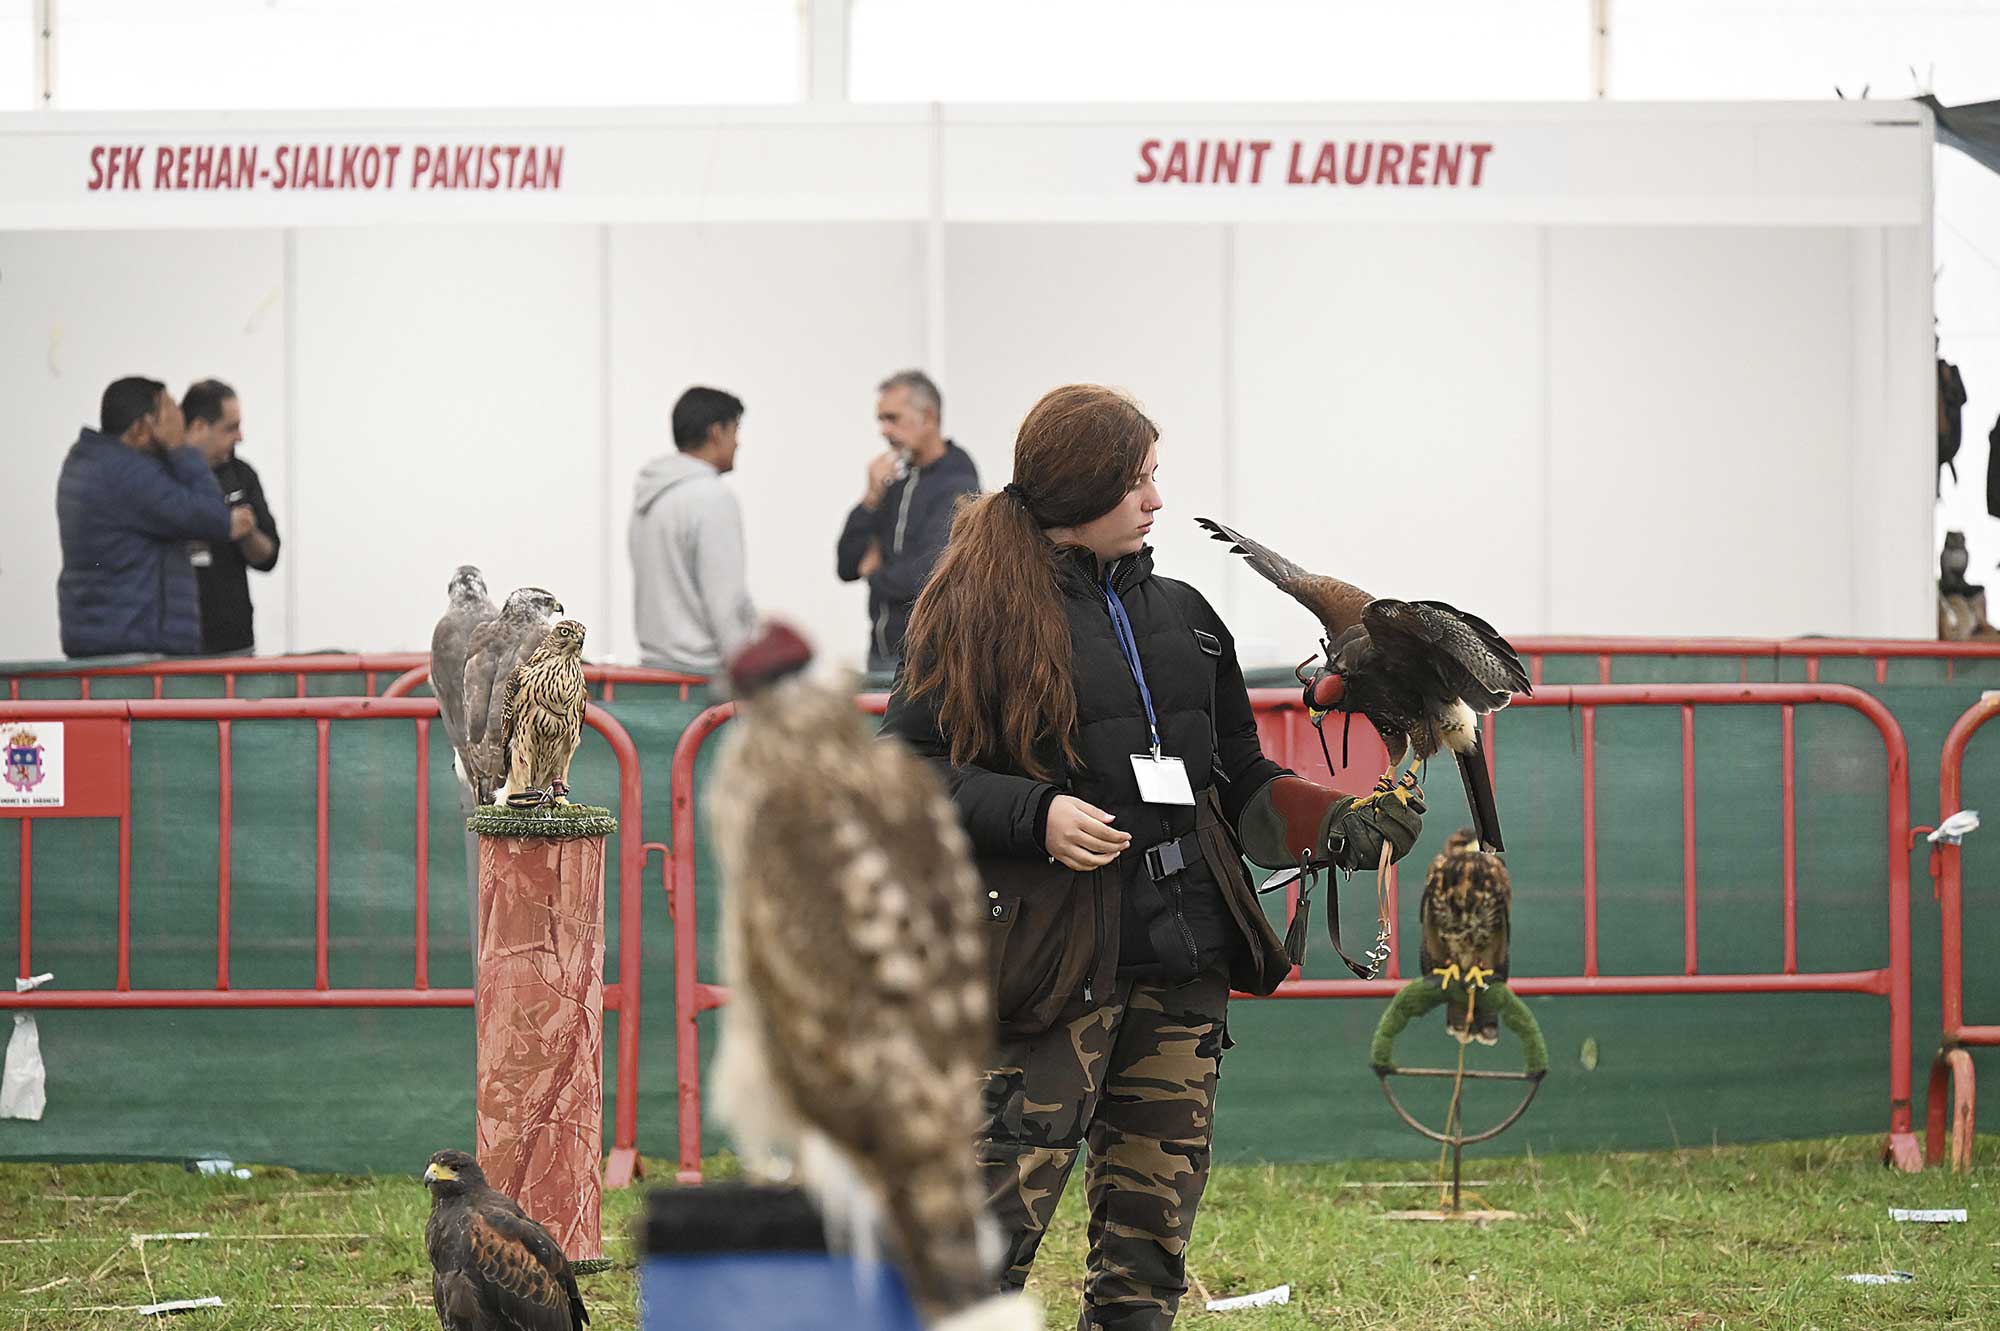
[{"x": 1309, "y": 869}]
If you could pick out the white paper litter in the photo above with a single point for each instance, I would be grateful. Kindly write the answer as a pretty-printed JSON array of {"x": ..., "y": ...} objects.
[
  {"x": 179, "y": 1306},
  {"x": 1953, "y": 830},
  {"x": 23, "y": 1077},
  {"x": 1892, "y": 1278},
  {"x": 1263, "y": 1299},
  {"x": 1949, "y": 1216}
]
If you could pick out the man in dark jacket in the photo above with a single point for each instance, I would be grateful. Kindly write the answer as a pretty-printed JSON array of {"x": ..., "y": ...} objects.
[
  {"x": 131, "y": 497},
  {"x": 895, "y": 534},
  {"x": 215, "y": 427}
]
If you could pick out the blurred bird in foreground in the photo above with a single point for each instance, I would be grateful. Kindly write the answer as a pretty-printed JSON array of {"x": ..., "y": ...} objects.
[{"x": 860, "y": 1018}]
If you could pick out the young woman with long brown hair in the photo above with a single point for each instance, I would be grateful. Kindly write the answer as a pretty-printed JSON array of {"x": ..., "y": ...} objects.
[{"x": 1091, "y": 722}]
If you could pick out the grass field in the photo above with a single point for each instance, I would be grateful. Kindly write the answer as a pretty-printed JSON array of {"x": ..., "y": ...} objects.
[{"x": 1694, "y": 1240}]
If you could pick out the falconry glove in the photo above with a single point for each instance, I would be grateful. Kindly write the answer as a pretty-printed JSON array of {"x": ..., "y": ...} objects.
[
  {"x": 1355, "y": 835},
  {"x": 1295, "y": 824},
  {"x": 1292, "y": 815}
]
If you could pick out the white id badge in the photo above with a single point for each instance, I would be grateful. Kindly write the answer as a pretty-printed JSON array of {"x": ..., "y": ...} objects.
[
  {"x": 1162, "y": 780},
  {"x": 199, "y": 554}
]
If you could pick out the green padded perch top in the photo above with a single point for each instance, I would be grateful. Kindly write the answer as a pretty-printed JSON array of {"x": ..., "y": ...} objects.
[
  {"x": 1420, "y": 996},
  {"x": 550, "y": 822}
]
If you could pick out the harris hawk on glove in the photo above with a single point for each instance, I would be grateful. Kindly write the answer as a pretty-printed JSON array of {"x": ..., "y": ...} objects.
[
  {"x": 1422, "y": 672},
  {"x": 492, "y": 1267}
]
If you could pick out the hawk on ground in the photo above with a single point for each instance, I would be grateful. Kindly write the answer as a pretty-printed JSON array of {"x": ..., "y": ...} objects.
[{"x": 493, "y": 1268}]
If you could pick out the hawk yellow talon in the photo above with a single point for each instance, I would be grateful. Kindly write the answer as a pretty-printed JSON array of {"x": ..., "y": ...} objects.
[
  {"x": 1475, "y": 977},
  {"x": 1447, "y": 974}
]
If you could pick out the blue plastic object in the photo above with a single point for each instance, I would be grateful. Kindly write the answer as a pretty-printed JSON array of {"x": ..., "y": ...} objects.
[{"x": 798, "y": 1291}]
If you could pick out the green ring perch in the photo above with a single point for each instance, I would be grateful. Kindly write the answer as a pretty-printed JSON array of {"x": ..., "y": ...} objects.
[
  {"x": 550, "y": 822},
  {"x": 1419, "y": 996}
]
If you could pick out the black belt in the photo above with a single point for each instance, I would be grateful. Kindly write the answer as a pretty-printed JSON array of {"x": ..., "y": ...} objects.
[{"x": 1171, "y": 857}]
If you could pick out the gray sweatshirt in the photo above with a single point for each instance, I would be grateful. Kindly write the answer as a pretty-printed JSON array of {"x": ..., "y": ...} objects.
[{"x": 686, "y": 540}]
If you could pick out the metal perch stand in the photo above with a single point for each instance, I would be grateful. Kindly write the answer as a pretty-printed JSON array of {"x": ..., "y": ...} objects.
[{"x": 1419, "y": 997}]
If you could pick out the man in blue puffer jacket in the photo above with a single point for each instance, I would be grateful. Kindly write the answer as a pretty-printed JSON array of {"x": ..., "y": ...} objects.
[{"x": 130, "y": 498}]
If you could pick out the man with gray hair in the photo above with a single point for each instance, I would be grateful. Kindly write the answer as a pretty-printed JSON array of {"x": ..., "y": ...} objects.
[{"x": 895, "y": 534}]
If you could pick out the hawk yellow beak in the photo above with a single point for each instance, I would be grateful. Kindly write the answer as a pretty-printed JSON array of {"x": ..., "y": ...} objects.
[{"x": 437, "y": 1173}]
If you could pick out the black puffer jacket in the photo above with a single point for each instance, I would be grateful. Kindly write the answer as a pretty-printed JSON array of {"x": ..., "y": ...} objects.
[{"x": 1171, "y": 929}]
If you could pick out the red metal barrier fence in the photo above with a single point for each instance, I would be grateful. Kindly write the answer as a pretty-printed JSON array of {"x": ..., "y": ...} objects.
[
  {"x": 1281, "y": 723},
  {"x": 610, "y": 676},
  {"x": 98, "y": 746},
  {"x": 1810, "y": 650},
  {"x": 410, "y": 669},
  {"x": 1951, "y": 1070},
  {"x": 230, "y": 669},
  {"x": 1534, "y": 651}
]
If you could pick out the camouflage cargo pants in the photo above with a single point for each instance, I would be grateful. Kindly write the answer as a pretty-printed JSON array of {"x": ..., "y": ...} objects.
[{"x": 1134, "y": 1080}]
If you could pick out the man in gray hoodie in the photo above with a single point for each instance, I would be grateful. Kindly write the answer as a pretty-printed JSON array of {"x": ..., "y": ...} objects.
[{"x": 689, "y": 597}]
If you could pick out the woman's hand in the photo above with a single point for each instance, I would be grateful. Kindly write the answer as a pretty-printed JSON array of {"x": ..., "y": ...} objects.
[{"x": 1081, "y": 835}]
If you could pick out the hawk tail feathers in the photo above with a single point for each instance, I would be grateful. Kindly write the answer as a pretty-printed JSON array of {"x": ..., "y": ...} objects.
[
  {"x": 1479, "y": 798},
  {"x": 1274, "y": 566}
]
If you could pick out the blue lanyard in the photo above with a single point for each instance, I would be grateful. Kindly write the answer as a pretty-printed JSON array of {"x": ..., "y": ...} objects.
[{"x": 1121, "y": 628}]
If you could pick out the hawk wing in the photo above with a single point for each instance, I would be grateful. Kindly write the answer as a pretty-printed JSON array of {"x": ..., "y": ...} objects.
[
  {"x": 1337, "y": 604},
  {"x": 487, "y": 677},
  {"x": 1472, "y": 660},
  {"x": 1435, "y": 915},
  {"x": 520, "y": 1273},
  {"x": 485, "y": 648},
  {"x": 451, "y": 647},
  {"x": 1493, "y": 917},
  {"x": 512, "y": 701}
]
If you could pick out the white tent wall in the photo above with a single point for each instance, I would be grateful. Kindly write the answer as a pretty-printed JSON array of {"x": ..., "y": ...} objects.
[
  {"x": 1701, "y": 450},
  {"x": 1670, "y": 374},
  {"x": 801, "y": 322},
  {"x": 1143, "y": 309},
  {"x": 1396, "y": 376},
  {"x": 79, "y": 309},
  {"x": 449, "y": 384},
  {"x": 1521, "y": 418}
]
